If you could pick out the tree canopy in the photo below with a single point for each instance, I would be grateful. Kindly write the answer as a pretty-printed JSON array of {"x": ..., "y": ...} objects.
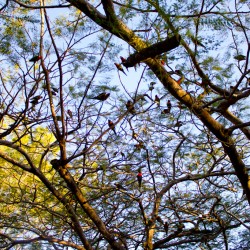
[{"x": 124, "y": 124}]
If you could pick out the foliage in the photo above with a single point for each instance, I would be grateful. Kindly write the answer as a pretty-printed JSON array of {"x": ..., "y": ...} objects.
[{"x": 69, "y": 181}]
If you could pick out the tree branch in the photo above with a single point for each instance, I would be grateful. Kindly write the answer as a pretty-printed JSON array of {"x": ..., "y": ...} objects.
[{"x": 154, "y": 50}]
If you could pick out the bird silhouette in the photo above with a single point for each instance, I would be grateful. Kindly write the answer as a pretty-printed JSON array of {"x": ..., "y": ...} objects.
[
  {"x": 69, "y": 112},
  {"x": 157, "y": 100},
  {"x": 130, "y": 107},
  {"x": 112, "y": 126},
  {"x": 35, "y": 99},
  {"x": 169, "y": 105},
  {"x": 35, "y": 58},
  {"x": 102, "y": 97}
]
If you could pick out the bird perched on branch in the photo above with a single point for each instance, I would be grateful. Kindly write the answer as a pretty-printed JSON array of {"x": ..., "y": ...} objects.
[
  {"x": 35, "y": 58},
  {"x": 69, "y": 112},
  {"x": 102, "y": 97},
  {"x": 157, "y": 100},
  {"x": 240, "y": 57},
  {"x": 120, "y": 68},
  {"x": 35, "y": 99},
  {"x": 169, "y": 105},
  {"x": 139, "y": 178},
  {"x": 119, "y": 186},
  {"x": 123, "y": 61},
  {"x": 130, "y": 107},
  {"x": 112, "y": 126},
  {"x": 165, "y": 111}
]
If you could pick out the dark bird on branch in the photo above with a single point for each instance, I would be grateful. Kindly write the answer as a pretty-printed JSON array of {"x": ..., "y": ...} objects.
[
  {"x": 112, "y": 126},
  {"x": 240, "y": 57},
  {"x": 35, "y": 58},
  {"x": 119, "y": 186},
  {"x": 157, "y": 100},
  {"x": 123, "y": 61},
  {"x": 54, "y": 91},
  {"x": 130, "y": 107},
  {"x": 120, "y": 68},
  {"x": 102, "y": 97},
  {"x": 178, "y": 124},
  {"x": 35, "y": 99},
  {"x": 69, "y": 112},
  {"x": 165, "y": 111},
  {"x": 169, "y": 105}
]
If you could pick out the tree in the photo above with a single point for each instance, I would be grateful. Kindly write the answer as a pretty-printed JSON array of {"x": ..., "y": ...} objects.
[{"x": 69, "y": 181}]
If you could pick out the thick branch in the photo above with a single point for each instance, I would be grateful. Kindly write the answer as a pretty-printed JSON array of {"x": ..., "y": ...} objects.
[{"x": 153, "y": 51}]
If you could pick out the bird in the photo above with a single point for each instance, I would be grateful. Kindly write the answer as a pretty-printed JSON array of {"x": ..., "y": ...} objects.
[
  {"x": 119, "y": 186},
  {"x": 69, "y": 112},
  {"x": 35, "y": 58},
  {"x": 102, "y": 97},
  {"x": 240, "y": 57},
  {"x": 119, "y": 67},
  {"x": 139, "y": 178},
  {"x": 59, "y": 118},
  {"x": 35, "y": 99},
  {"x": 123, "y": 61},
  {"x": 178, "y": 124},
  {"x": 157, "y": 100},
  {"x": 151, "y": 86},
  {"x": 169, "y": 105},
  {"x": 166, "y": 227},
  {"x": 54, "y": 91},
  {"x": 139, "y": 145},
  {"x": 130, "y": 107},
  {"x": 134, "y": 135},
  {"x": 112, "y": 126},
  {"x": 165, "y": 111}
]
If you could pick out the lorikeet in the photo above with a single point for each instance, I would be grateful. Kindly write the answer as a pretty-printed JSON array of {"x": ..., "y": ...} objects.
[
  {"x": 130, "y": 107},
  {"x": 139, "y": 179},
  {"x": 102, "y": 97},
  {"x": 119, "y": 67},
  {"x": 112, "y": 126},
  {"x": 35, "y": 99},
  {"x": 35, "y": 58}
]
